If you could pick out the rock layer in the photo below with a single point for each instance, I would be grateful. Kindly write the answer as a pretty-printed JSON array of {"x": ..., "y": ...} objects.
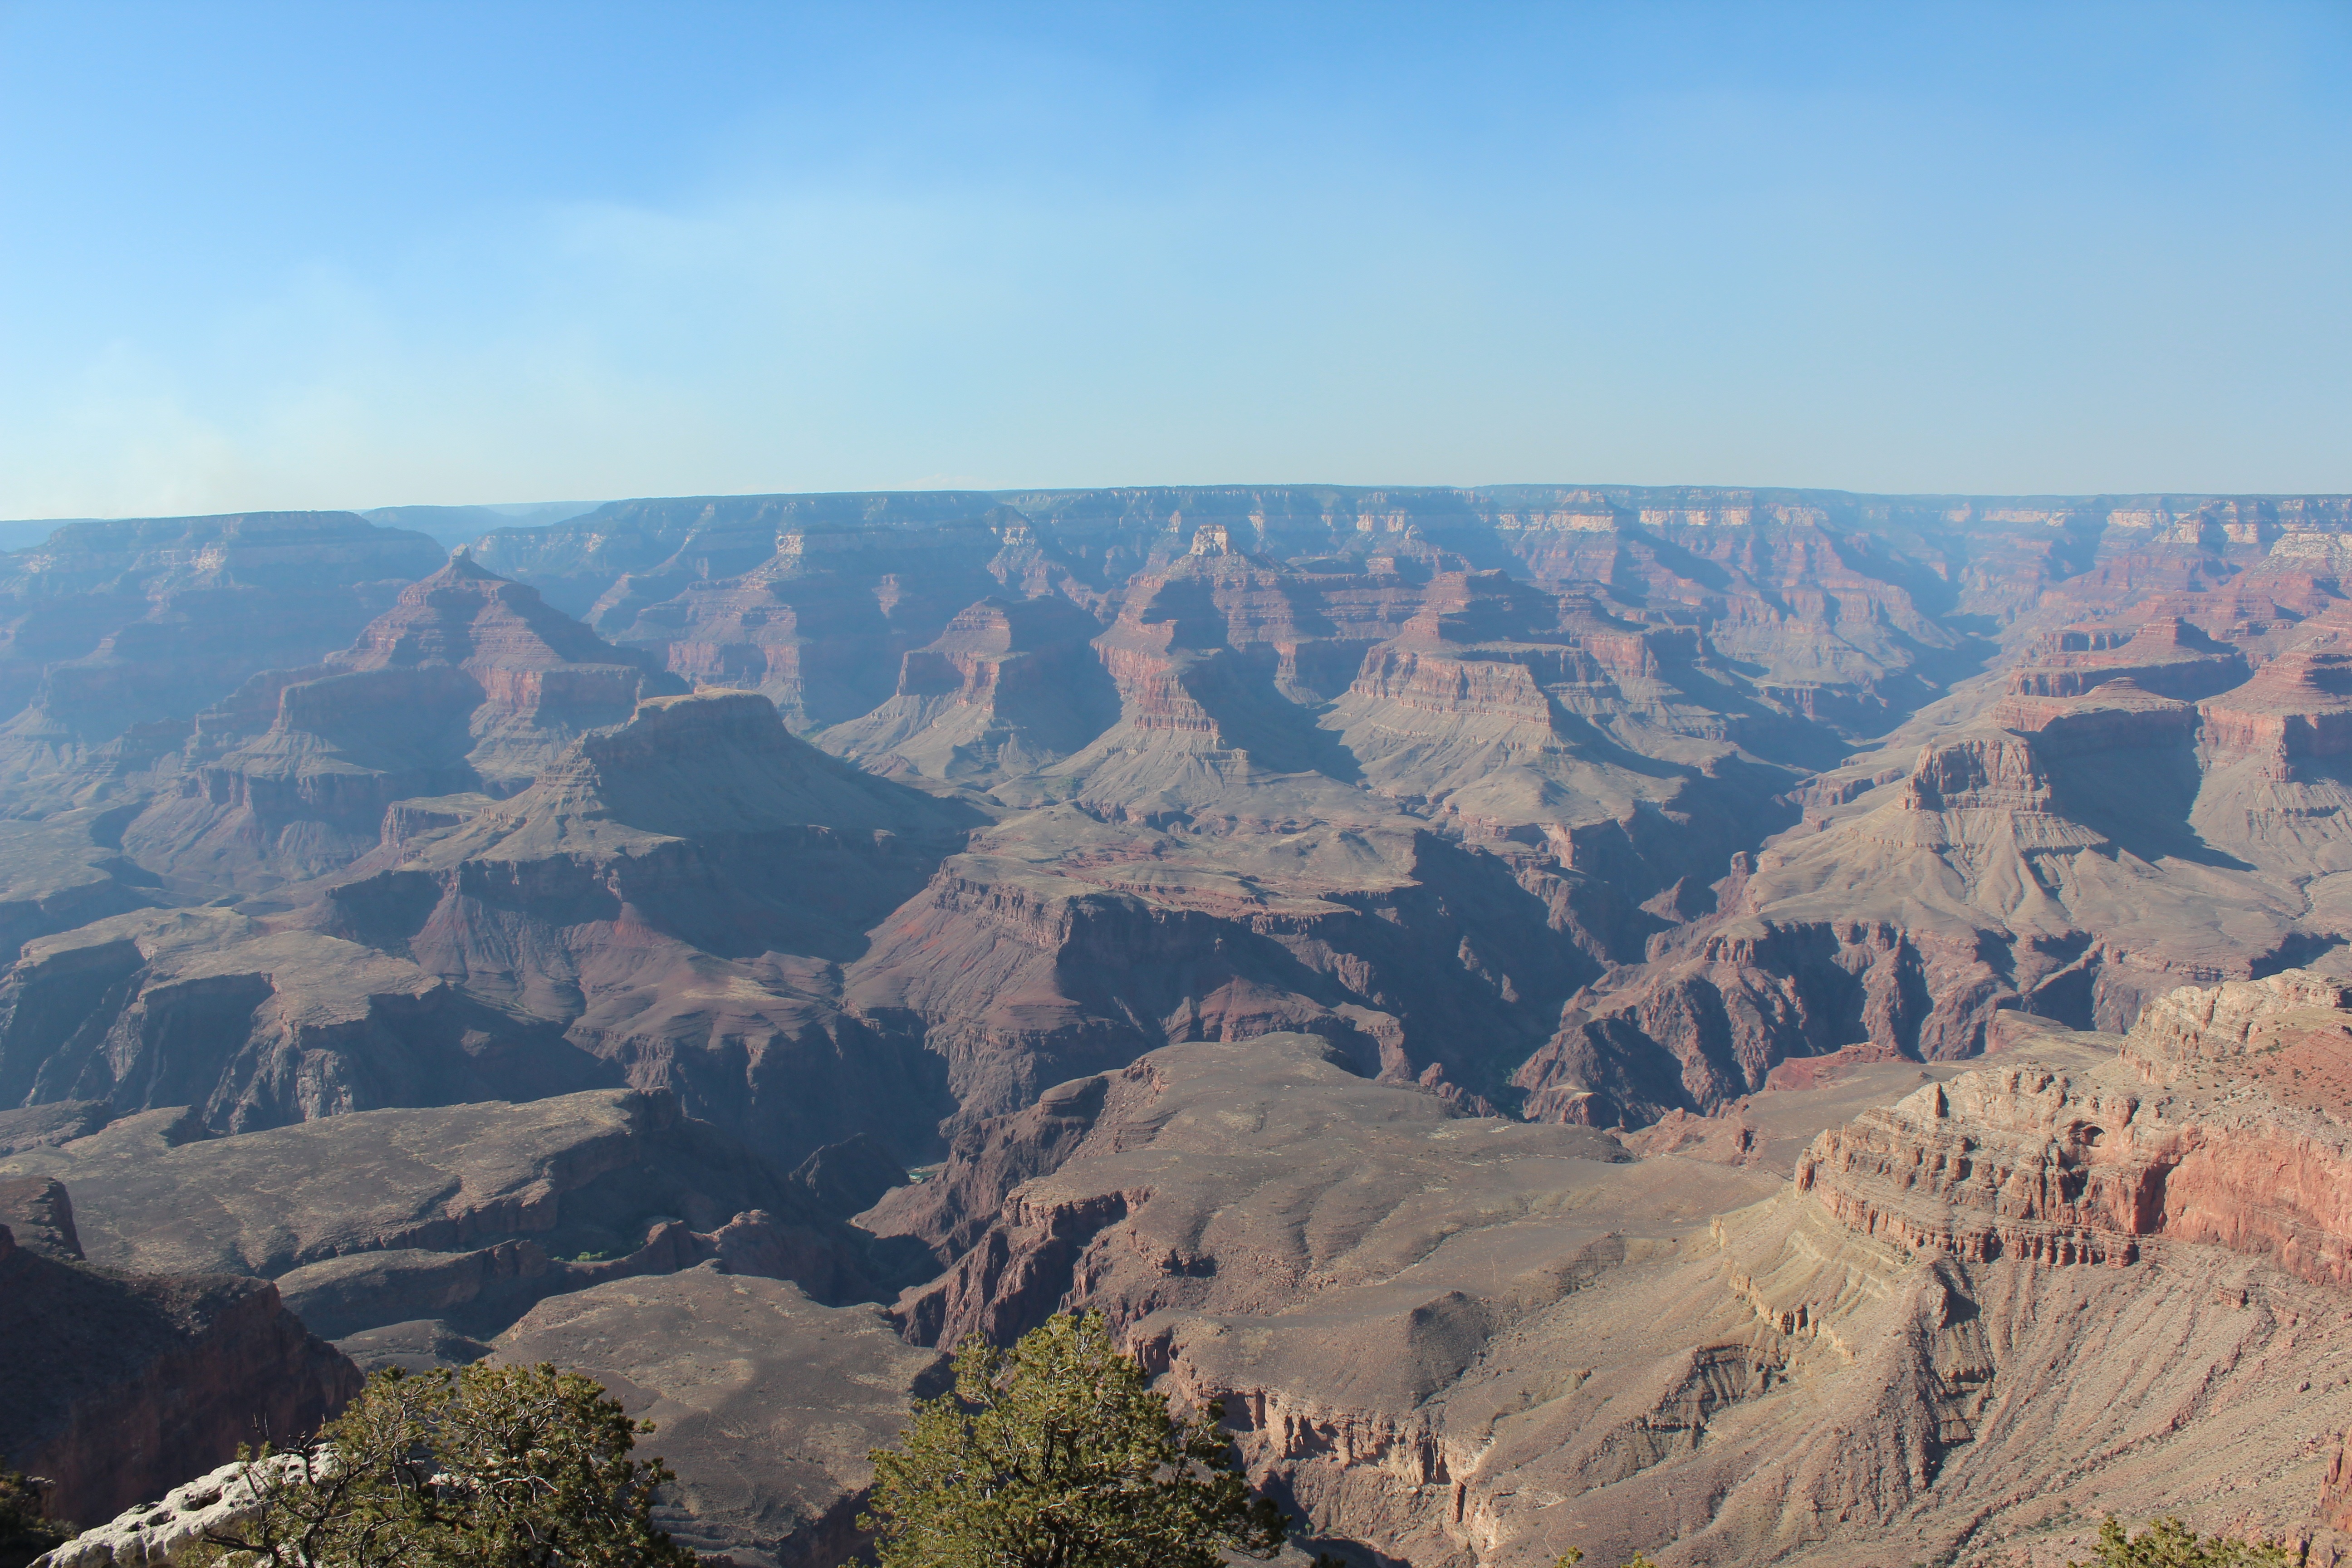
[{"x": 120, "y": 1386}]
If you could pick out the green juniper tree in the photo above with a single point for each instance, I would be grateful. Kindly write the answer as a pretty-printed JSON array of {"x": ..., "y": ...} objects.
[
  {"x": 493, "y": 1466},
  {"x": 2169, "y": 1544},
  {"x": 1056, "y": 1454},
  {"x": 25, "y": 1532}
]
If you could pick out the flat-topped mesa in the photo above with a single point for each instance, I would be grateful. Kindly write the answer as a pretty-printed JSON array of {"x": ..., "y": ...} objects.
[
  {"x": 2118, "y": 713},
  {"x": 521, "y": 652},
  {"x": 468, "y": 683},
  {"x": 1978, "y": 773},
  {"x": 2245, "y": 1143},
  {"x": 2297, "y": 706},
  {"x": 1486, "y": 645},
  {"x": 1011, "y": 685},
  {"x": 2167, "y": 656},
  {"x": 2216, "y": 1029}
]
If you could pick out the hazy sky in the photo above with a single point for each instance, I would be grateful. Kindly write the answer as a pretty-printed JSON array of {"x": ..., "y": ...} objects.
[{"x": 352, "y": 254}]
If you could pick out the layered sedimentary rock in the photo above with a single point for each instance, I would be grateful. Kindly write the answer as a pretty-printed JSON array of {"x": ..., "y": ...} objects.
[
  {"x": 468, "y": 684},
  {"x": 121, "y": 1385},
  {"x": 2299, "y": 707},
  {"x": 1741, "y": 814},
  {"x": 1514, "y": 713},
  {"x": 1010, "y": 687},
  {"x": 110, "y": 625},
  {"x": 1136, "y": 1224},
  {"x": 2221, "y": 1121},
  {"x": 1449, "y": 1343},
  {"x": 2074, "y": 855},
  {"x": 2166, "y": 654},
  {"x": 253, "y": 1028},
  {"x": 678, "y": 894},
  {"x": 1601, "y": 697},
  {"x": 1060, "y": 944},
  {"x": 468, "y": 1214},
  {"x": 811, "y": 600}
]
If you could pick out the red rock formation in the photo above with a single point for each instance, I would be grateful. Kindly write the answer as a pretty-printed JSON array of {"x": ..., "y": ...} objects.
[
  {"x": 120, "y": 1387},
  {"x": 675, "y": 894},
  {"x": 1009, "y": 686},
  {"x": 469, "y": 683},
  {"x": 2064, "y": 1168},
  {"x": 2166, "y": 655},
  {"x": 107, "y": 625},
  {"x": 2118, "y": 713},
  {"x": 2297, "y": 707}
]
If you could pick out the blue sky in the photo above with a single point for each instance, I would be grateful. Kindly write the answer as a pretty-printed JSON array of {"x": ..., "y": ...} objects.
[{"x": 357, "y": 256}]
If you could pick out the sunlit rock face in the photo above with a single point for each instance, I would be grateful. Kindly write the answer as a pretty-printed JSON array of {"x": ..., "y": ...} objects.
[{"x": 1279, "y": 915}]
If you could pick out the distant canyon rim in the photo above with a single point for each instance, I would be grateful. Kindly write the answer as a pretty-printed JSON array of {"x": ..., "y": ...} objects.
[{"x": 1753, "y": 1026}]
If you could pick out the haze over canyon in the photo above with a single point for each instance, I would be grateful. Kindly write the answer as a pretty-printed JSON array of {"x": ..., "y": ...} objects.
[{"x": 1755, "y": 1026}]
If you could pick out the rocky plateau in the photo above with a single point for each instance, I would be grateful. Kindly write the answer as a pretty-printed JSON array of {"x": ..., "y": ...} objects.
[{"x": 1756, "y": 1026}]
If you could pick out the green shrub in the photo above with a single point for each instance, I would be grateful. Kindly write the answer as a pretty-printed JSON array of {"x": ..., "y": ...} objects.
[
  {"x": 493, "y": 1466},
  {"x": 2169, "y": 1544},
  {"x": 25, "y": 1532},
  {"x": 1056, "y": 1454}
]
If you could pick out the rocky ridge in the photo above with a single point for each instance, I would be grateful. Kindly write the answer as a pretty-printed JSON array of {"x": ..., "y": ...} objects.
[
  {"x": 1917, "y": 1348},
  {"x": 120, "y": 1384},
  {"x": 1698, "y": 810}
]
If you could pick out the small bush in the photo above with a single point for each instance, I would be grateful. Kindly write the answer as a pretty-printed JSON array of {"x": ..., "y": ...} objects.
[
  {"x": 24, "y": 1530},
  {"x": 493, "y": 1466},
  {"x": 2169, "y": 1544},
  {"x": 1058, "y": 1455}
]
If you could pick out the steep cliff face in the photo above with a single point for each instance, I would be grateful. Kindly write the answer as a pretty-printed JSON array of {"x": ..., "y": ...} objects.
[
  {"x": 2297, "y": 709},
  {"x": 1448, "y": 1341},
  {"x": 1009, "y": 687},
  {"x": 1513, "y": 713},
  {"x": 251, "y": 1027},
  {"x": 676, "y": 894},
  {"x": 806, "y": 601},
  {"x": 2071, "y": 856},
  {"x": 2164, "y": 654},
  {"x": 468, "y": 684},
  {"x": 1062, "y": 945},
  {"x": 107, "y": 625},
  {"x": 1589, "y": 806},
  {"x": 123, "y": 1385},
  {"x": 2219, "y": 1122}
]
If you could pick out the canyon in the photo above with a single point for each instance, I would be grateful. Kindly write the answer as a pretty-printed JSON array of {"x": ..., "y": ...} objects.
[{"x": 1701, "y": 1021}]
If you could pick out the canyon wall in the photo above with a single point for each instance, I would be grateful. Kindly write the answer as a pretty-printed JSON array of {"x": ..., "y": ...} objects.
[{"x": 1276, "y": 912}]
